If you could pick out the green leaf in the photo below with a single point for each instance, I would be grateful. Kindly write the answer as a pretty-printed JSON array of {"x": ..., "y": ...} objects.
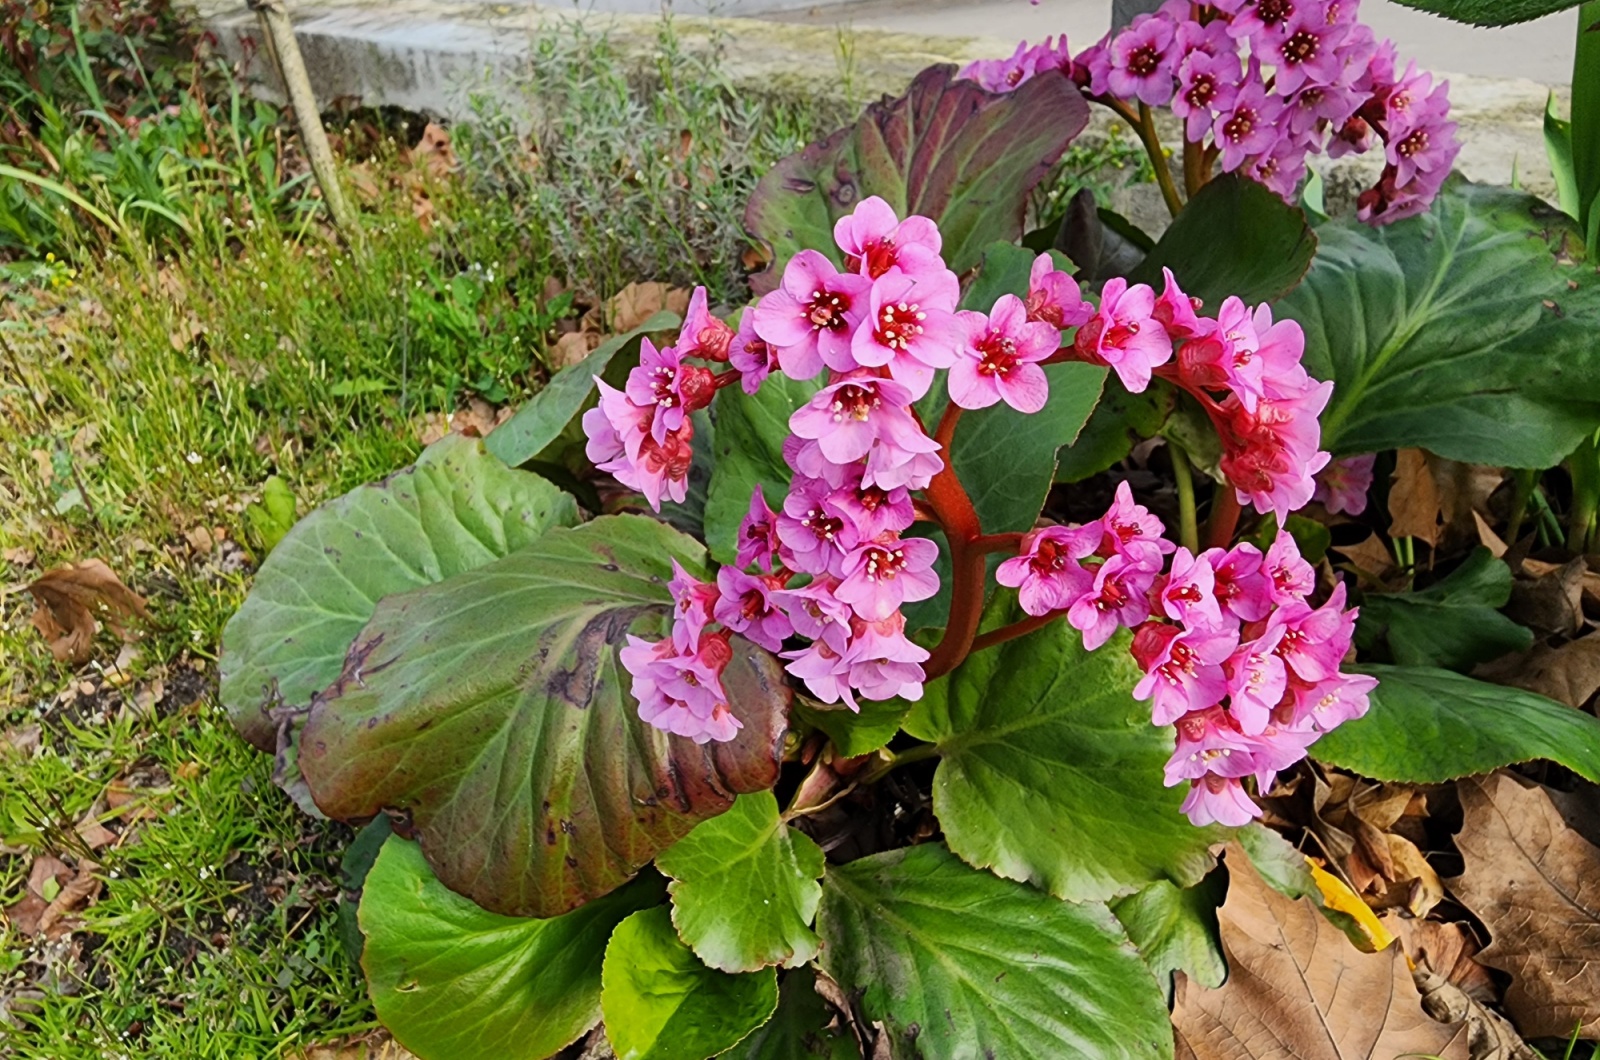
[
  {"x": 1280, "y": 865},
  {"x": 1235, "y": 237},
  {"x": 1428, "y": 726},
  {"x": 750, "y": 432},
  {"x": 547, "y": 413},
  {"x": 455, "y": 509},
  {"x": 1051, "y": 773},
  {"x": 744, "y": 888},
  {"x": 493, "y": 709},
  {"x": 274, "y": 515},
  {"x": 661, "y": 1003},
  {"x": 1119, "y": 422},
  {"x": 947, "y": 149},
  {"x": 1454, "y": 624},
  {"x": 1006, "y": 269},
  {"x": 1175, "y": 928},
  {"x": 958, "y": 963},
  {"x": 452, "y": 980},
  {"x": 353, "y": 870},
  {"x": 799, "y": 1029},
  {"x": 855, "y": 733},
  {"x": 1468, "y": 331},
  {"x": 1490, "y": 12},
  {"x": 1586, "y": 121},
  {"x": 1558, "y": 150}
]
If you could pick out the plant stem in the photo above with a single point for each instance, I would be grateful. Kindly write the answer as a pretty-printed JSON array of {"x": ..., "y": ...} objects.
[
  {"x": 919, "y": 753},
  {"x": 1017, "y": 629},
  {"x": 953, "y": 509},
  {"x": 1195, "y": 170},
  {"x": 1224, "y": 519},
  {"x": 1152, "y": 146},
  {"x": 1584, "y": 467},
  {"x": 947, "y": 429},
  {"x": 997, "y": 542},
  {"x": 1526, "y": 479},
  {"x": 1188, "y": 529}
]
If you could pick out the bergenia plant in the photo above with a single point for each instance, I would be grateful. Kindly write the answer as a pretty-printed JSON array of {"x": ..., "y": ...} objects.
[
  {"x": 1261, "y": 85},
  {"x": 1235, "y": 655}
]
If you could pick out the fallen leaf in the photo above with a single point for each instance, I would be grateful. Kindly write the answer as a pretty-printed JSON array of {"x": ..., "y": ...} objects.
[
  {"x": 435, "y": 153},
  {"x": 478, "y": 418},
  {"x": 1488, "y": 538},
  {"x": 572, "y": 348},
  {"x": 1568, "y": 673},
  {"x": 1296, "y": 988},
  {"x": 1415, "y": 506},
  {"x": 1489, "y": 1035},
  {"x": 1552, "y": 600},
  {"x": 75, "y": 894},
  {"x": 1535, "y": 884},
  {"x": 45, "y": 878},
  {"x": 1445, "y": 947},
  {"x": 71, "y": 597},
  {"x": 18, "y": 557},
  {"x": 1336, "y": 895},
  {"x": 638, "y": 302},
  {"x": 22, "y": 739},
  {"x": 431, "y": 427},
  {"x": 1370, "y": 558}
]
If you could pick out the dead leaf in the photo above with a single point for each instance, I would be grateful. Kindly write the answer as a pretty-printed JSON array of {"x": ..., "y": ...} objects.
[
  {"x": 45, "y": 465},
  {"x": 1552, "y": 600},
  {"x": 638, "y": 302},
  {"x": 18, "y": 557},
  {"x": 1489, "y": 1036},
  {"x": 572, "y": 348},
  {"x": 1415, "y": 506},
  {"x": 378, "y": 1047},
  {"x": 1568, "y": 673},
  {"x": 432, "y": 427},
  {"x": 1297, "y": 988},
  {"x": 45, "y": 878},
  {"x": 478, "y": 418},
  {"x": 1488, "y": 538},
  {"x": 1446, "y": 948},
  {"x": 75, "y": 894},
  {"x": 70, "y": 599},
  {"x": 1535, "y": 884},
  {"x": 435, "y": 153},
  {"x": 23, "y": 739},
  {"x": 1370, "y": 558}
]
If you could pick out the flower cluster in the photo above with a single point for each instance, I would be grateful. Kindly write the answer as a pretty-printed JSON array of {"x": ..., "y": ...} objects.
[
  {"x": 1262, "y": 84},
  {"x": 1233, "y": 654}
]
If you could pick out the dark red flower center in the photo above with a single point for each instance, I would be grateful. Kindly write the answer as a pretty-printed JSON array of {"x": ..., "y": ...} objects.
[
  {"x": 1413, "y": 145},
  {"x": 1201, "y": 90},
  {"x": 1144, "y": 60},
  {"x": 1272, "y": 12},
  {"x": 827, "y": 309},
  {"x": 824, "y": 526},
  {"x": 899, "y": 323},
  {"x": 1240, "y": 126},
  {"x": 854, "y": 402},
  {"x": 1300, "y": 47},
  {"x": 884, "y": 564},
  {"x": 997, "y": 355}
]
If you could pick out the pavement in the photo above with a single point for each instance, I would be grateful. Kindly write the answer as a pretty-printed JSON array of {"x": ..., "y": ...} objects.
[{"x": 1538, "y": 51}]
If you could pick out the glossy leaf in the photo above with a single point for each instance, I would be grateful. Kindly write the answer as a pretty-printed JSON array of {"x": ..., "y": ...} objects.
[
  {"x": 799, "y": 1029},
  {"x": 450, "y": 979},
  {"x": 540, "y": 421},
  {"x": 1468, "y": 331},
  {"x": 947, "y": 149},
  {"x": 1454, "y": 624},
  {"x": 455, "y": 509},
  {"x": 958, "y": 963},
  {"x": 744, "y": 888},
  {"x": 1175, "y": 929},
  {"x": 661, "y": 1003},
  {"x": 1428, "y": 726},
  {"x": 856, "y": 733},
  {"x": 1234, "y": 237},
  {"x": 750, "y": 432},
  {"x": 1049, "y": 771},
  {"x": 493, "y": 710},
  {"x": 1491, "y": 12}
]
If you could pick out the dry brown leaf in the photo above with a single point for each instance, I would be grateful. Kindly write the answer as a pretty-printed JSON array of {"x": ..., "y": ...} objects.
[
  {"x": 70, "y": 599},
  {"x": 572, "y": 348},
  {"x": 1446, "y": 948},
  {"x": 1297, "y": 988},
  {"x": 1488, "y": 538},
  {"x": 1568, "y": 673},
  {"x": 478, "y": 418},
  {"x": 435, "y": 153},
  {"x": 379, "y": 1047},
  {"x": 1535, "y": 884},
  {"x": 1489, "y": 1035},
  {"x": 75, "y": 894},
  {"x": 1415, "y": 506},
  {"x": 25, "y": 913},
  {"x": 1552, "y": 600},
  {"x": 1370, "y": 557},
  {"x": 638, "y": 302},
  {"x": 21, "y": 739},
  {"x": 432, "y": 427}
]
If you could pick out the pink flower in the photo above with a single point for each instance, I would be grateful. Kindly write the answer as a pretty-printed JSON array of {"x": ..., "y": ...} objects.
[
  {"x": 879, "y": 576},
  {"x": 1124, "y": 334},
  {"x": 1342, "y": 486},
  {"x": 817, "y": 614},
  {"x": 1189, "y": 595},
  {"x": 1207, "y": 85},
  {"x": 751, "y": 354},
  {"x": 825, "y": 671},
  {"x": 616, "y": 427},
  {"x": 1003, "y": 75},
  {"x": 1290, "y": 578},
  {"x": 1142, "y": 61},
  {"x": 1183, "y": 668},
  {"x": 1250, "y": 125},
  {"x": 1179, "y": 312},
  {"x": 703, "y": 335},
  {"x": 746, "y": 606},
  {"x": 1131, "y": 531},
  {"x": 1118, "y": 597},
  {"x": 1257, "y": 680},
  {"x": 874, "y": 241},
  {"x": 658, "y": 669},
  {"x": 1271, "y": 454},
  {"x": 853, "y": 413},
  {"x": 758, "y": 534},
  {"x": 1307, "y": 50},
  {"x": 1053, "y": 296},
  {"x": 873, "y": 510},
  {"x": 1046, "y": 572},
  {"x": 1210, "y": 743},
  {"x": 816, "y": 532},
  {"x": 911, "y": 327},
  {"x": 655, "y": 383},
  {"x": 619, "y": 441},
  {"x": 1243, "y": 591},
  {"x": 692, "y": 604},
  {"x": 883, "y": 663},
  {"x": 999, "y": 359},
  {"x": 1325, "y": 705},
  {"x": 810, "y": 318},
  {"x": 1219, "y": 800},
  {"x": 1314, "y": 641},
  {"x": 1280, "y": 168},
  {"x": 1264, "y": 24}
]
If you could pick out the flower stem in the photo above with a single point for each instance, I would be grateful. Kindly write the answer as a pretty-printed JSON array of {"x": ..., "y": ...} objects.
[
  {"x": 1146, "y": 127},
  {"x": 1016, "y": 629},
  {"x": 1188, "y": 529},
  {"x": 998, "y": 542},
  {"x": 1224, "y": 519},
  {"x": 953, "y": 508},
  {"x": 919, "y": 753}
]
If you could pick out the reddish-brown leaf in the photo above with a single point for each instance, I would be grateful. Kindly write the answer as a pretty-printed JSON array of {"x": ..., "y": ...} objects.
[{"x": 72, "y": 598}]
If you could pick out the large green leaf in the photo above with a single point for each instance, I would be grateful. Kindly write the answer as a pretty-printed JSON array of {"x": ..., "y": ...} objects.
[
  {"x": 1051, "y": 773},
  {"x": 1428, "y": 726},
  {"x": 1235, "y": 237},
  {"x": 1468, "y": 331},
  {"x": 1175, "y": 929},
  {"x": 1454, "y": 624},
  {"x": 958, "y": 963},
  {"x": 750, "y": 432},
  {"x": 1491, "y": 12},
  {"x": 455, "y": 509},
  {"x": 661, "y": 1003},
  {"x": 453, "y": 981},
  {"x": 1586, "y": 123},
  {"x": 744, "y": 888},
  {"x": 947, "y": 149},
  {"x": 492, "y": 708},
  {"x": 855, "y": 732},
  {"x": 799, "y": 1029},
  {"x": 547, "y": 413}
]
